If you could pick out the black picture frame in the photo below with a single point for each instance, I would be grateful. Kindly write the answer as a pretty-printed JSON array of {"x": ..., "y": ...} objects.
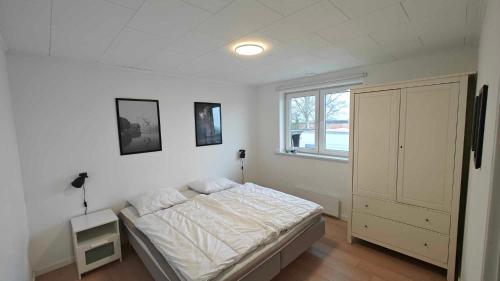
[
  {"x": 144, "y": 136},
  {"x": 208, "y": 123},
  {"x": 478, "y": 125}
]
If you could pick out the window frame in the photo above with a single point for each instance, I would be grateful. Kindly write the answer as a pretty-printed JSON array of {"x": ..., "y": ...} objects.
[
  {"x": 322, "y": 133},
  {"x": 288, "y": 141},
  {"x": 320, "y": 122}
]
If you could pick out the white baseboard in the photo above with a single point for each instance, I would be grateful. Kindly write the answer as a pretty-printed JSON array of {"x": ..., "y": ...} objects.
[{"x": 54, "y": 266}]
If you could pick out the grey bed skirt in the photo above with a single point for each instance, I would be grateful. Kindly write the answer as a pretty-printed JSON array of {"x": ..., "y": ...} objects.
[{"x": 263, "y": 267}]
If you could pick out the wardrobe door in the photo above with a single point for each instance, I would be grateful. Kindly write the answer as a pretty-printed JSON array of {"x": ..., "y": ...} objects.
[
  {"x": 376, "y": 122},
  {"x": 427, "y": 145}
]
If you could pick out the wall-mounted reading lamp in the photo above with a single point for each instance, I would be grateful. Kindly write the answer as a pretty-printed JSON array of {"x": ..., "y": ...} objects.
[
  {"x": 242, "y": 155},
  {"x": 79, "y": 182}
]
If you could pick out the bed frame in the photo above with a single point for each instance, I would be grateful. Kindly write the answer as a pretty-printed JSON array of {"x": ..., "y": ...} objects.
[{"x": 265, "y": 268}]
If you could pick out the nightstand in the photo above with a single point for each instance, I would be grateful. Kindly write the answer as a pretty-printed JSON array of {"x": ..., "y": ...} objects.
[{"x": 96, "y": 240}]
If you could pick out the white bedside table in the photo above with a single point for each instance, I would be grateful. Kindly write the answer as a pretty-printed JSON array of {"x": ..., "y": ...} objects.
[{"x": 96, "y": 240}]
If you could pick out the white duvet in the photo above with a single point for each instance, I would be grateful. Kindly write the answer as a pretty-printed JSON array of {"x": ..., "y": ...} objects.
[{"x": 202, "y": 237}]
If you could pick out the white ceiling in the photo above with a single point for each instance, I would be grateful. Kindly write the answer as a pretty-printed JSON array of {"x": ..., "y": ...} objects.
[{"x": 196, "y": 37}]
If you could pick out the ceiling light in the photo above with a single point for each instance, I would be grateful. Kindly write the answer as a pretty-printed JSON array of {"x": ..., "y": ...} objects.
[{"x": 249, "y": 49}]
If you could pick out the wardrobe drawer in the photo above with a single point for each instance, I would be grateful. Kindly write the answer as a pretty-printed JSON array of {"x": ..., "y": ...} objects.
[
  {"x": 415, "y": 240},
  {"x": 413, "y": 215}
]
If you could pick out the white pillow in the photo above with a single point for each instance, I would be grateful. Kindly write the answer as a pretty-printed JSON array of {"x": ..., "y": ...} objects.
[
  {"x": 155, "y": 200},
  {"x": 208, "y": 186}
]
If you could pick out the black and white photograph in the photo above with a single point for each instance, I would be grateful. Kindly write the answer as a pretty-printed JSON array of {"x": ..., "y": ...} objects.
[
  {"x": 138, "y": 125},
  {"x": 207, "y": 117}
]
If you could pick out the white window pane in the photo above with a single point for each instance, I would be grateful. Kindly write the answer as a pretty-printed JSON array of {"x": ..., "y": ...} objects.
[
  {"x": 337, "y": 121},
  {"x": 303, "y": 122}
]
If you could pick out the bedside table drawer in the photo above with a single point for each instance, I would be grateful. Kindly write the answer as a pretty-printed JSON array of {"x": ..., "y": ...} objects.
[
  {"x": 89, "y": 258},
  {"x": 99, "y": 252}
]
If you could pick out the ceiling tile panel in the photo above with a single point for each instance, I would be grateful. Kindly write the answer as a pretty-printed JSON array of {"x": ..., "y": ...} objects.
[
  {"x": 240, "y": 18},
  {"x": 358, "y": 8},
  {"x": 212, "y": 6},
  {"x": 338, "y": 57},
  {"x": 25, "y": 25},
  {"x": 393, "y": 31},
  {"x": 84, "y": 28},
  {"x": 313, "y": 18},
  {"x": 296, "y": 64},
  {"x": 401, "y": 46},
  {"x": 196, "y": 44},
  {"x": 170, "y": 18},
  {"x": 165, "y": 61},
  {"x": 360, "y": 49},
  {"x": 258, "y": 62},
  {"x": 236, "y": 75},
  {"x": 287, "y": 7},
  {"x": 299, "y": 66},
  {"x": 440, "y": 31},
  {"x": 131, "y": 47},
  {"x": 284, "y": 51},
  {"x": 443, "y": 44},
  {"x": 421, "y": 11},
  {"x": 307, "y": 42},
  {"x": 473, "y": 19},
  {"x": 345, "y": 31},
  {"x": 218, "y": 59},
  {"x": 132, "y": 4},
  {"x": 391, "y": 20}
]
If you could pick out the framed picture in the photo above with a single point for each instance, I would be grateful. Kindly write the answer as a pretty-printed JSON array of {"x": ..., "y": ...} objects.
[
  {"x": 478, "y": 125},
  {"x": 138, "y": 125},
  {"x": 208, "y": 123}
]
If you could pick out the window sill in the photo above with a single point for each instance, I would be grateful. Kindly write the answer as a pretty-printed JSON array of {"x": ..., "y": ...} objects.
[{"x": 315, "y": 156}]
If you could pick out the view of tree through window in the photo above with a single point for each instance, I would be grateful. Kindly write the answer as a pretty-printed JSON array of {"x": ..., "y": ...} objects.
[
  {"x": 323, "y": 130},
  {"x": 303, "y": 121}
]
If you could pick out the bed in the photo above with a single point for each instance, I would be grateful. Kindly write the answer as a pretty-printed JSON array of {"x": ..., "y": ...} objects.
[{"x": 262, "y": 263}]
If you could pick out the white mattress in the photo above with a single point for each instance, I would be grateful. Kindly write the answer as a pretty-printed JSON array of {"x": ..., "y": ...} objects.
[{"x": 250, "y": 260}]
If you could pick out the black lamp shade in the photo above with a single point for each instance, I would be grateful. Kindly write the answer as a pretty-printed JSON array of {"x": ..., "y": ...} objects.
[
  {"x": 242, "y": 153},
  {"x": 80, "y": 180}
]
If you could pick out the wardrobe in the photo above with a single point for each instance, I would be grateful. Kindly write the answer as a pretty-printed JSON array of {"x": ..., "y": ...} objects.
[{"x": 406, "y": 154}]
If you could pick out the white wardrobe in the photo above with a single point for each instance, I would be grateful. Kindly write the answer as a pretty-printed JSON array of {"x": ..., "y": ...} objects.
[{"x": 406, "y": 155}]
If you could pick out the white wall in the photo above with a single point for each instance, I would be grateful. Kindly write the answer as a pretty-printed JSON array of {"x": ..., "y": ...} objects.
[
  {"x": 481, "y": 260},
  {"x": 14, "y": 265},
  {"x": 66, "y": 122},
  {"x": 289, "y": 173}
]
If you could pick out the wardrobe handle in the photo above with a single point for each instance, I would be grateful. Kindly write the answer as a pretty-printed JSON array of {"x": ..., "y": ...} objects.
[
  {"x": 427, "y": 219},
  {"x": 366, "y": 205},
  {"x": 425, "y": 244},
  {"x": 366, "y": 226}
]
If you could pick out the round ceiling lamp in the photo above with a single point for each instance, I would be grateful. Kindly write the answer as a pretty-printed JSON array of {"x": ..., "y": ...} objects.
[{"x": 249, "y": 49}]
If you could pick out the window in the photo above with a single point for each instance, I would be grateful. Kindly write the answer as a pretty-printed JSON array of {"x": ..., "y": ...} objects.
[
  {"x": 317, "y": 121},
  {"x": 302, "y": 121}
]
